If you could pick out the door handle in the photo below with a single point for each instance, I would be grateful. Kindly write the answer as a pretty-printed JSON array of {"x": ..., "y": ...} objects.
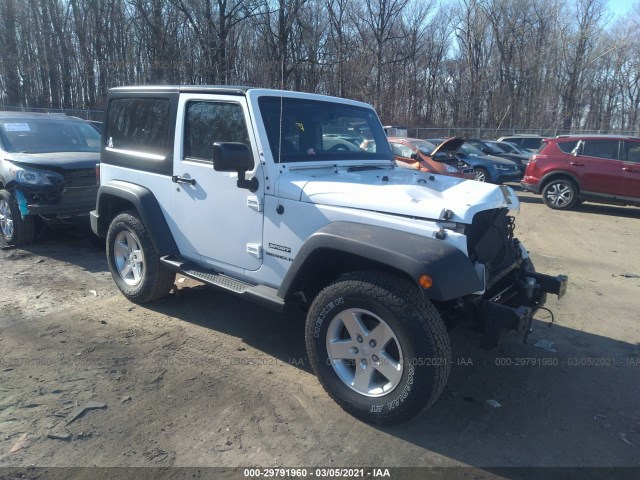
[
  {"x": 177, "y": 179},
  {"x": 576, "y": 164},
  {"x": 629, "y": 169}
]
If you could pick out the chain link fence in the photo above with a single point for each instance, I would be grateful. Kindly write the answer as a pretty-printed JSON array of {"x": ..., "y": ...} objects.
[
  {"x": 74, "y": 112},
  {"x": 413, "y": 132},
  {"x": 493, "y": 133}
]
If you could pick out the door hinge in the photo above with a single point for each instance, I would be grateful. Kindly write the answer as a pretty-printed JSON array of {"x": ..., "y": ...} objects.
[
  {"x": 254, "y": 203},
  {"x": 254, "y": 249}
]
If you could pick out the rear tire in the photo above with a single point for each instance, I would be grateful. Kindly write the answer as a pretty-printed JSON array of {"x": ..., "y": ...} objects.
[
  {"x": 378, "y": 347},
  {"x": 15, "y": 229},
  {"x": 133, "y": 260},
  {"x": 560, "y": 194}
]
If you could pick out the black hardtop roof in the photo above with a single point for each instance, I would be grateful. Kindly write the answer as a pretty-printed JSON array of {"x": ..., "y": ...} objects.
[{"x": 226, "y": 89}]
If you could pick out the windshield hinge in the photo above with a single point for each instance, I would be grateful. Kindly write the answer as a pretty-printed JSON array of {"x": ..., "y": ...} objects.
[
  {"x": 254, "y": 203},
  {"x": 255, "y": 250}
]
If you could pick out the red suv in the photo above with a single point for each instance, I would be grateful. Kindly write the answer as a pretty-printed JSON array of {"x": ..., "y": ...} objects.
[{"x": 572, "y": 168}]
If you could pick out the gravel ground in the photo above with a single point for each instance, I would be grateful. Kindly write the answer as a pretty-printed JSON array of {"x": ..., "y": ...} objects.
[{"x": 202, "y": 378}]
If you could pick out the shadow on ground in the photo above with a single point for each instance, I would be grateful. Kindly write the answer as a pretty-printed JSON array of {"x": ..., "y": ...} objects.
[
  {"x": 550, "y": 400},
  {"x": 586, "y": 207},
  {"x": 580, "y": 386}
]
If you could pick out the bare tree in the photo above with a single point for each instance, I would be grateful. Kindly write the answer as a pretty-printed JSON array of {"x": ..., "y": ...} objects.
[{"x": 378, "y": 26}]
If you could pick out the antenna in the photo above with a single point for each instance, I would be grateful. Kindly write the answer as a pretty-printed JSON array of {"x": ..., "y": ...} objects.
[{"x": 281, "y": 109}]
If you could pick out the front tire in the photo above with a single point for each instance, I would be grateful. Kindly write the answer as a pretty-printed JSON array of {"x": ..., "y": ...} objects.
[
  {"x": 480, "y": 175},
  {"x": 15, "y": 229},
  {"x": 560, "y": 194},
  {"x": 378, "y": 347},
  {"x": 134, "y": 262}
]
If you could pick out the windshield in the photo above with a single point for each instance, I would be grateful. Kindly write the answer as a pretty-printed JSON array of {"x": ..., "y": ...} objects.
[
  {"x": 510, "y": 147},
  {"x": 494, "y": 149},
  {"x": 471, "y": 150},
  {"x": 424, "y": 146},
  {"x": 48, "y": 135},
  {"x": 301, "y": 130}
]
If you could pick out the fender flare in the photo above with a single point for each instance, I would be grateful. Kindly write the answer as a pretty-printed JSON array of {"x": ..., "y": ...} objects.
[
  {"x": 558, "y": 173},
  {"x": 147, "y": 206},
  {"x": 452, "y": 272}
]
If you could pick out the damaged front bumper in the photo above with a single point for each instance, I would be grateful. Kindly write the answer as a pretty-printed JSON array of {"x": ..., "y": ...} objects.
[
  {"x": 530, "y": 291},
  {"x": 53, "y": 203}
]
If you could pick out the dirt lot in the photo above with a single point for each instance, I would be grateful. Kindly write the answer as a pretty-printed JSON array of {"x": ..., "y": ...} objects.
[{"x": 204, "y": 379}]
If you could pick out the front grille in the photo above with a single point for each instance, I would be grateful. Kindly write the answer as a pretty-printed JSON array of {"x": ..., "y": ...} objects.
[
  {"x": 490, "y": 240},
  {"x": 81, "y": 177}
]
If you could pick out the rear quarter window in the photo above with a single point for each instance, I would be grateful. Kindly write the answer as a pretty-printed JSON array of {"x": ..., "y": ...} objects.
[
  {"x": 139, "y": 124},
  {"x": 566, "y": 147}
]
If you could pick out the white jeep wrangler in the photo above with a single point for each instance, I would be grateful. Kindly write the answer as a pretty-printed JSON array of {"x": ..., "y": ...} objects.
[{"x": 292, "y": 199}]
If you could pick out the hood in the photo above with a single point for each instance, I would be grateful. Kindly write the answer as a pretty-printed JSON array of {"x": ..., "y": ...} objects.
[
  {"x": 450, "y": 145},
  {"x": 57, "y": 160},
  {"x": 396, "y": 191}
]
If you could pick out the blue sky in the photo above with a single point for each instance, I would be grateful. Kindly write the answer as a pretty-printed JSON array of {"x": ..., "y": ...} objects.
[{"x": 620, "y": 7}]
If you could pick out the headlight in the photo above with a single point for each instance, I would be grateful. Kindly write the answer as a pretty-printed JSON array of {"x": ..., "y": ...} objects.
[
  {"x": 451, "y": 169},
  {"x": 505, "y": 168},
  {"x": 28, "y": 176}
]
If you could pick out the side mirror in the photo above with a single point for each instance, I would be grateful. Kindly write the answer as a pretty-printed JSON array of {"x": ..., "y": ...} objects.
[
  {"x": 235, "y": 157},
  {"x": 414, "y": 156}
]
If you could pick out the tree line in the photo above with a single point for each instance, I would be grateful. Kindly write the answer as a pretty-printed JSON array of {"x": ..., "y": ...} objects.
[{"x": 503, "y": 64}]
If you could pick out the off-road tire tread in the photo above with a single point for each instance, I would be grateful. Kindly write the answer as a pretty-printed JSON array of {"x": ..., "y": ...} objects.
[{"x": 404, "y": 300}]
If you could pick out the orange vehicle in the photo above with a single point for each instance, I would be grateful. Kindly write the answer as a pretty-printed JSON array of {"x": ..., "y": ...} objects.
[{"x": 426, "y": 157}]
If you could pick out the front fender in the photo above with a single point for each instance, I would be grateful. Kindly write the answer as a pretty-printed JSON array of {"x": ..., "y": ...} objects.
[{"x": 452, "y": 272}]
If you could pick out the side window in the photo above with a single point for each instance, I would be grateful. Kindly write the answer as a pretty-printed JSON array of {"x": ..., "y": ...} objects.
[
  {"x": 139, "y": 124},
  {"x": 601, "y": 148},
  {"x": 566, "y": 147},
  {"x": 632, "y": 151},
  {"x": 209, "y": 122}
]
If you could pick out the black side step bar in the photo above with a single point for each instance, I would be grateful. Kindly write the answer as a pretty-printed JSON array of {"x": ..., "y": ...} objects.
[{"x": 260, "y": 294}]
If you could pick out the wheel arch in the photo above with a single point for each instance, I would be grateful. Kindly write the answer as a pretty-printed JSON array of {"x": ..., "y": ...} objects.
[
  {"x": 544, "y": 181},
  {"x": 117, "y": 196},
  {"x": 325, "y": 265},
  {"x": 344, "y": 247}
]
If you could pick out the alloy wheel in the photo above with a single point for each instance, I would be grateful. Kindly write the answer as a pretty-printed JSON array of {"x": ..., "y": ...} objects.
[
  {"x": 6, "y": 220},
  {"x": 129, "y": 258},
  {"x": 480, "y": 176},
  {"x": 560, "y": 194},
  {"x": 364, "y": 352}
]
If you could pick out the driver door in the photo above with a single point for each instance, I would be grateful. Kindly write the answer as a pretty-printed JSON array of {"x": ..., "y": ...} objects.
[{"x": 216, "y": 222}]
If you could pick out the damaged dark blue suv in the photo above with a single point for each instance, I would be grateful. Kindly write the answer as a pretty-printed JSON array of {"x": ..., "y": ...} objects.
[{"x": 47, "y": 172}]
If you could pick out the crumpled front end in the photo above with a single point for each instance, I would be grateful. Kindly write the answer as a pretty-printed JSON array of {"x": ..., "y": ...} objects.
[
  {"x": 71, "y": 192},
  {"x": 513, "y": 291}
]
